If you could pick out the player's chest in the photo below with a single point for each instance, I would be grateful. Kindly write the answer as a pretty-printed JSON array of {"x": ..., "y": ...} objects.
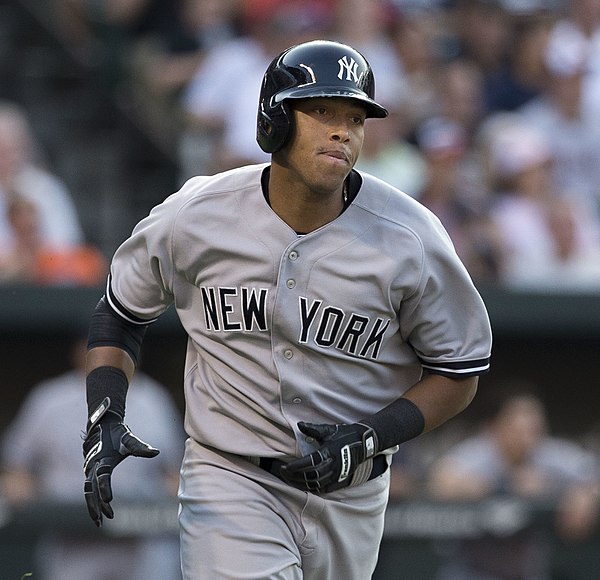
[{"x": 316, "y": 286}]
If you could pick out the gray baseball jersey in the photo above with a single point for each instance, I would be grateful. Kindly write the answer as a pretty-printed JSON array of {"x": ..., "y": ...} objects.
[{"x": 327, "y": 327}]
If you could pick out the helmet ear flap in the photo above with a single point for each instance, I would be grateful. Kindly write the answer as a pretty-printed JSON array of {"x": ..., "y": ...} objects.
[{"x": 273, "y": 130}]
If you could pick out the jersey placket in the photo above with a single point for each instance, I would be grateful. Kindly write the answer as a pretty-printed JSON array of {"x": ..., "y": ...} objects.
[{"x": 294, "y": 384}]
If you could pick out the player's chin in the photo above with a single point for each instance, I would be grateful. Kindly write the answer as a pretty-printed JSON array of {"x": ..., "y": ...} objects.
[{"x": 335, "y": 170}]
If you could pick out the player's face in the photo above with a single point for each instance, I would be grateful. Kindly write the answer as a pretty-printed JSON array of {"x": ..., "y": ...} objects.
[{"x": 326, "y": 141}]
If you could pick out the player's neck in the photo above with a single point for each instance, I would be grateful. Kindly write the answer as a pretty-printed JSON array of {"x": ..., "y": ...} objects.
[{"x": 301, "y": 207}]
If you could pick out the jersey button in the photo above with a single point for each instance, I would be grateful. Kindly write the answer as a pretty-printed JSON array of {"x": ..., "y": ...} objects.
[
  {"x": 288, "y": 354},
  {"x": 296, "y": 400},
  {"x": 291, "y": 283},
  {"x": 293, "y": 255}
]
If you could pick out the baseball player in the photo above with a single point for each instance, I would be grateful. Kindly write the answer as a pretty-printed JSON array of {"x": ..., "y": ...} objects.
[{"x": 329, "y": 320}]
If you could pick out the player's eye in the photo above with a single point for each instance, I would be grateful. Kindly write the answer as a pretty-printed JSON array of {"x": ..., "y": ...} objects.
[{"x": 358, "y": 119}]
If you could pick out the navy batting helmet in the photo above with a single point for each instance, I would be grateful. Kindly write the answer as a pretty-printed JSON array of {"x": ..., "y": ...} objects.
[{"x": 319, "y": 68}]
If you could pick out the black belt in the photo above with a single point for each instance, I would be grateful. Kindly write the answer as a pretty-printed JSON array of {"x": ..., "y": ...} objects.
[{"x": 273, "y": 466}]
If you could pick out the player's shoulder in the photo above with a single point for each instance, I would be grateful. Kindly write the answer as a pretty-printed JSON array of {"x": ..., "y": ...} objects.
[
  {"x": 199, "y": 198},
  {"x": 382, "y": 196},
  {"x": 225, "y": 183},
  {"x": 232, "y": 179},
  {"x": 392, "y": 204}
]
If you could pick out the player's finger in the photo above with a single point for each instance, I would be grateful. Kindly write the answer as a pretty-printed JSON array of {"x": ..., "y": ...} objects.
[
  {"x": 107, "y": 510},
  {"x": 92, "y": 500},
  {"x": 308, "y": 469},
  {"x": 103, "y": 473},
  {"x": 300, "y": 465},
  {"x": 134, "y": 446},
  {"x": 104, "y": 491},
  {"x": 317, "y": 430}
]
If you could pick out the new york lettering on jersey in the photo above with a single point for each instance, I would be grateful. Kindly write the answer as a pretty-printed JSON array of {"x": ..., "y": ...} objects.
[{"x": 231, "y": 309}]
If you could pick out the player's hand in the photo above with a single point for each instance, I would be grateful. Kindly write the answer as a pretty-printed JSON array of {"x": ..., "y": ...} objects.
[
  {"x": 343, "y": 448},
  {"x": 108, "y": 441}
]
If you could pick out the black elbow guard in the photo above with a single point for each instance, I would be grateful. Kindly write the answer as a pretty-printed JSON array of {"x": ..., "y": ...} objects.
[{"x": 107, "y": 328}]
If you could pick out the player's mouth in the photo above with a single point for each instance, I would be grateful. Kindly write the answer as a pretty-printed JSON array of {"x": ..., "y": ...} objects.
[{"x": 338, "y": 156}]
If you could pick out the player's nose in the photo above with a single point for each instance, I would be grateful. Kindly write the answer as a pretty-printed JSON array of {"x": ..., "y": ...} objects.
[{"x": 340, "y": 132}]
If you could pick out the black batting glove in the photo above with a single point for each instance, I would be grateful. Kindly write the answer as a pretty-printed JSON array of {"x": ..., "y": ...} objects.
[
  {"x": 343, "y": 448},
  {"x": 108, "y": 441}
]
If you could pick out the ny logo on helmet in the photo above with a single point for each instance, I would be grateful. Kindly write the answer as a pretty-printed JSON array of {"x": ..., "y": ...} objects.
[{"x": 350, "y": 68}]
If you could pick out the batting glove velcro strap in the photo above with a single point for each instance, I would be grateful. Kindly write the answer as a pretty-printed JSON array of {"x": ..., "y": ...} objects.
[
  {"x": 107, "y": 442},
  {"x": 344, "y": 448}
]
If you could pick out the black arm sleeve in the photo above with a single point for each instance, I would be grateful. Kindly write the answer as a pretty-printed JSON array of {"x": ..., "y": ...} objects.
[
  {"x": 108, "y": 328},
  {"x": 400, "y": 421},
  {"x": 107, "y": 382}
]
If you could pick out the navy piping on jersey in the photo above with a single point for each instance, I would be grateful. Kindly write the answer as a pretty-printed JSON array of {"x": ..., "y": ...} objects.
[
  {"x": 119, "y": 309},
  {"x": 468, "y": 368}
]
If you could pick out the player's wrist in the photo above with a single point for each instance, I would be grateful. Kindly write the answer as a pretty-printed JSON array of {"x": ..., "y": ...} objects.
[
  {"x": 106, "y": 382},
  {"x": 397, "y": 423}
]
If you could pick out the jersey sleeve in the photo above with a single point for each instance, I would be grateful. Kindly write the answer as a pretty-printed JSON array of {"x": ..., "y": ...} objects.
[{"x": 445, "y": 320}]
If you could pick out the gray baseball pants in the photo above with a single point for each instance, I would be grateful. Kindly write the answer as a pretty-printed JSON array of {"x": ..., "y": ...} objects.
[{"x": 238, "y": 521}]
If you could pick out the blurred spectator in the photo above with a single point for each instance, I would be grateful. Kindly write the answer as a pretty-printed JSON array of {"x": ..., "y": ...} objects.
[
  {"x": 484, "y": 34},
  {"x": 169, "y": 42},
  {"x": 22, "y": 172},
  {"x": 406, "y": 475},
  {"x": 522, "y": 77},
  {"x": 85, "y": 27},
  {"x": 582, "y": 18},
  {"x": 220, "y": 131},
  {"x": 462, "y": 211},
  {"x": 568, "y": 117},
  {"x": 32, "y": 261},
  {"x": 42, "y": 462},
  {"x": 513, "y": 455},
  {"x": 389, "y": 155},
  {"x": 411, "y": 464},
  {"x": 414, "y": 36},
  {"x": 459, "y": 90},
  {"x": 505, "y": 40},
  {"x": 551, "y": 241}
]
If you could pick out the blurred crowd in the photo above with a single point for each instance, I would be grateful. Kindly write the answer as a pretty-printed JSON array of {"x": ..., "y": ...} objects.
[
  {"x": 494, "y": 119},
  {"x": 509, "y": 453},
  {"x": 41, "y": 463}
]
